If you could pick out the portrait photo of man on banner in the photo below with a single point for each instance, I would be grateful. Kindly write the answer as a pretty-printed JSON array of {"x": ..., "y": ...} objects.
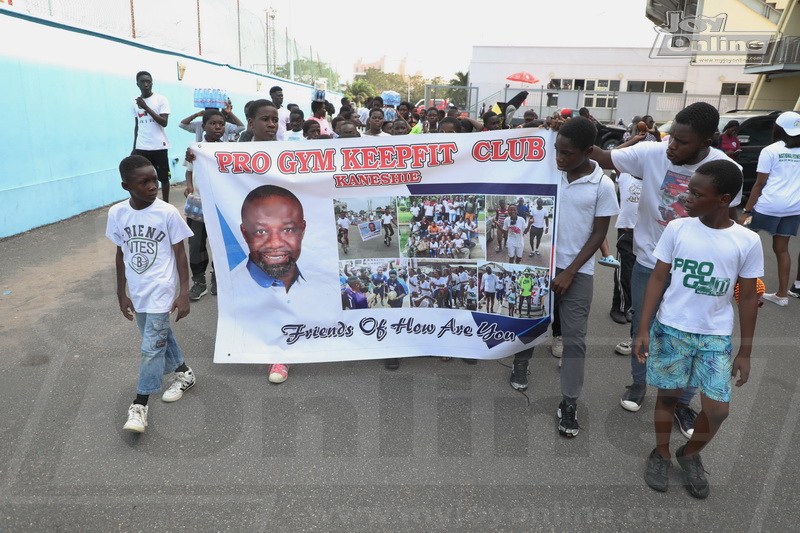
[{"x": 297, "y": 285}]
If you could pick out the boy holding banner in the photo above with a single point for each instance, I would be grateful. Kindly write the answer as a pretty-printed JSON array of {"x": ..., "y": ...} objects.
[{"x": 588, "y": 201}]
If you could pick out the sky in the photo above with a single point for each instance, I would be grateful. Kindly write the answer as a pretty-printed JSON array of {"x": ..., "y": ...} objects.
[{"x": 437, "y": 36}]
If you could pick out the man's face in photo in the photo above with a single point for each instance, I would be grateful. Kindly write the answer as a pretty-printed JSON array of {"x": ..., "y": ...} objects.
[{"x": 273, "y": 228}]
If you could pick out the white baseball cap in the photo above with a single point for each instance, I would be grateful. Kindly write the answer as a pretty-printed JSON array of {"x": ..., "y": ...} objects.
[{"x": 790, "y": 122}]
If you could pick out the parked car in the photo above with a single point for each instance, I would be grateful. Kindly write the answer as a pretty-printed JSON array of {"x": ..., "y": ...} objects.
[
  {"x": 438, "y": 103},
  {"x": 608, "y": 137},
  {"x": 755, "y": 132}
]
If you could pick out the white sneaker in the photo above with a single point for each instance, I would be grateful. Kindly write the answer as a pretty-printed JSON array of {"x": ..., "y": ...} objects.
[
  {"x": 624, "y": 348},
  {"x": 557, "y": 347},
  {"x": 137, "y": 418},
  {"x": 609, "y": 261},
  {"x": 777, "y": 300},
  {"x": 183, "y": 382}
]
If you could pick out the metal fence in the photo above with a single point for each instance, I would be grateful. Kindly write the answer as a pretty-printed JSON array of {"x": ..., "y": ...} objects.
[
  {"x": 224, "y": 31},
  {"x": 620, "y": 105}
]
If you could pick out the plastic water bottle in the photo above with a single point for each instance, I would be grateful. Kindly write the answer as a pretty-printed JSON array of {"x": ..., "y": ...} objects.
[{"x": 193, "y": 208}]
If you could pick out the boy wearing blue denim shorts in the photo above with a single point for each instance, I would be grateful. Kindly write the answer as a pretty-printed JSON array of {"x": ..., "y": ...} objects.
[
  {"x": 690, "y": 340},
  {"x": 151, "y": 258}
]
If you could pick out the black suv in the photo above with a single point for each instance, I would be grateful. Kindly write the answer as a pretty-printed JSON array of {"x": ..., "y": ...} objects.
[
  {"x": 755, "y": 132},
  {"x": 608, "y": 136}
]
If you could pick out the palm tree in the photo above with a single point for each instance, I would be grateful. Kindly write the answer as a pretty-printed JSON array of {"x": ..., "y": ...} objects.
[
  {"x": 360, "y": 90},
  {"x": 459, "y": 96}
]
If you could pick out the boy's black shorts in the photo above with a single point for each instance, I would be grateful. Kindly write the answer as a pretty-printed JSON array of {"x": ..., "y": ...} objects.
[{"x": 159, "y": 159}]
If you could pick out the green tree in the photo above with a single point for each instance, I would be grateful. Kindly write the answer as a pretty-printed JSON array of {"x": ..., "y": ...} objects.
[
  {"x": 360, "y": 90},
  {"x": 459, "y": 96}
]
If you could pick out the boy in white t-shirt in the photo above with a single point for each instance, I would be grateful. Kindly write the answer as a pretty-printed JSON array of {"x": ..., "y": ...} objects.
[
  {"x": 295, "y": 130},
  {"x": 538, "y": 226},
  {"x": 151, "y": 116},
  {"x": 151, "y": 258},
  {"x": 387, "y": 221},
  {"x": 665, "y": 170},
  {"x": 514, "y": 227},
  {"x": 214, "y": 128},
  {"x": 690, "y": 340},
  {"x": 587, "y": 203}
]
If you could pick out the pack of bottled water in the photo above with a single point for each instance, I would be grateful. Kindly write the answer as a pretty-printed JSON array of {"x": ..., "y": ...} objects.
[
  {"x": 193, "y": 208},
  {"x": 204, "y": 98}
]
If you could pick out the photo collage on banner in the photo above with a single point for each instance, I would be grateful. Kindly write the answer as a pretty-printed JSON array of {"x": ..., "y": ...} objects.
[
  {"x": 330, "y": 250},
  {"x": 433, "y": 251}
]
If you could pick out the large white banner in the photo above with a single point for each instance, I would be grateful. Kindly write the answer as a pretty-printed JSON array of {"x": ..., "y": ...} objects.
[{"x": 378, "y": 247}]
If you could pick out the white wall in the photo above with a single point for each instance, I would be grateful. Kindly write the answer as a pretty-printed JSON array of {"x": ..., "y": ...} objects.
[{"x": 490, "y": 65}]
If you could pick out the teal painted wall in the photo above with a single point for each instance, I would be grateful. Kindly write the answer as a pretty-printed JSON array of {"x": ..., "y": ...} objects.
[{"x": 69, "y": 93}]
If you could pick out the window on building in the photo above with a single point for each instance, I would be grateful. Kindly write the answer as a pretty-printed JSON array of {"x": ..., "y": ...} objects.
[
  {"x": 613, "y": 85},
  {"x": 599, "y": 101},
  {"x": 602, "y": 85},
  {"x": 742, "y": 89},
  {"x": 636, "y": 86},
  {"x": 654, "y": 87},
  {"x": 675, "y": 87}
]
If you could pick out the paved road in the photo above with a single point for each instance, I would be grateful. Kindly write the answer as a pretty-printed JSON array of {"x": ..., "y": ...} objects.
[{"x": 435, "y": 446}]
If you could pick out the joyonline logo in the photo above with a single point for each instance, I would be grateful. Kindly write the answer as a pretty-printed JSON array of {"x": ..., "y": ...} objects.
[{"x": 705, "y": 40}]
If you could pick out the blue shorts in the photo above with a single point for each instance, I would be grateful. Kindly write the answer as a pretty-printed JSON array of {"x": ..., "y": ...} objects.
[
  {"x": 679, "y": 359},
  {"x": 782, "y": 226}
]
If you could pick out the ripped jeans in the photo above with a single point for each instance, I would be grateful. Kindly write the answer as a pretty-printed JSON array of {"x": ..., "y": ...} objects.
[{"x": 160, "y": 352}]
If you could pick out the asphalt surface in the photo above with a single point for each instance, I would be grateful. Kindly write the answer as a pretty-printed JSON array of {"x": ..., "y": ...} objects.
[{"x": 434, "y": 446}]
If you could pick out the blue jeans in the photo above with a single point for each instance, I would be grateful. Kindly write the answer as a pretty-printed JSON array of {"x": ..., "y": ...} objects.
[
  {"x": 160, "y": 352},
  {"x": 640, "y": 275}
]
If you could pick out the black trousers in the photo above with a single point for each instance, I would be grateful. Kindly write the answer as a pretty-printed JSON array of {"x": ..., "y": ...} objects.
[
  {"x": 621, "y": 300},
  {"x": 198, "y": 250}
]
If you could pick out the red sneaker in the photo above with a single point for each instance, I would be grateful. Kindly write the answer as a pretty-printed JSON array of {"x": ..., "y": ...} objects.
[{"x": 278, "y": 373}]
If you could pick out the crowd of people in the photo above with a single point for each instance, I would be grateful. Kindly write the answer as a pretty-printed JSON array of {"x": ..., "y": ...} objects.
[
  {"x": 522, "y": 293},
  {"x": 684, "y": 267},
  {"x": 426, "y": 285}
]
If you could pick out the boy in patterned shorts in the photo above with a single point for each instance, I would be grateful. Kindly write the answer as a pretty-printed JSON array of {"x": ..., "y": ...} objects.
[{"x": 690, "y": 340}]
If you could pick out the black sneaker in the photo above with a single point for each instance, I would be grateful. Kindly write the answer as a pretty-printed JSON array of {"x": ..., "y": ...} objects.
[
  {"x": 685, "y": 417},
  {"x": 618, "y": 316},
  {"x": 519, "y": 375},
  {"x": 656, "y": 474},
  {"x": 213, "y": 284},
  {"x": 633, "y": 398},
  {"x": 794, "y": 292},
  {"x": 391, "y": 364},
  {"x": 197, "y": 290},
  {"x": 696, "y": 482},
  {"x": 568, "y": 420}
]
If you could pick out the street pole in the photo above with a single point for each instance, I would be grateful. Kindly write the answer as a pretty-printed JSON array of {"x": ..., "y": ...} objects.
[{"x": 239, "y": 30}]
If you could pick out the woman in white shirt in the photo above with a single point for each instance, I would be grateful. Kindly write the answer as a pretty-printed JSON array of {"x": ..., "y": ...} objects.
[{"x": 774, "y": 203}]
